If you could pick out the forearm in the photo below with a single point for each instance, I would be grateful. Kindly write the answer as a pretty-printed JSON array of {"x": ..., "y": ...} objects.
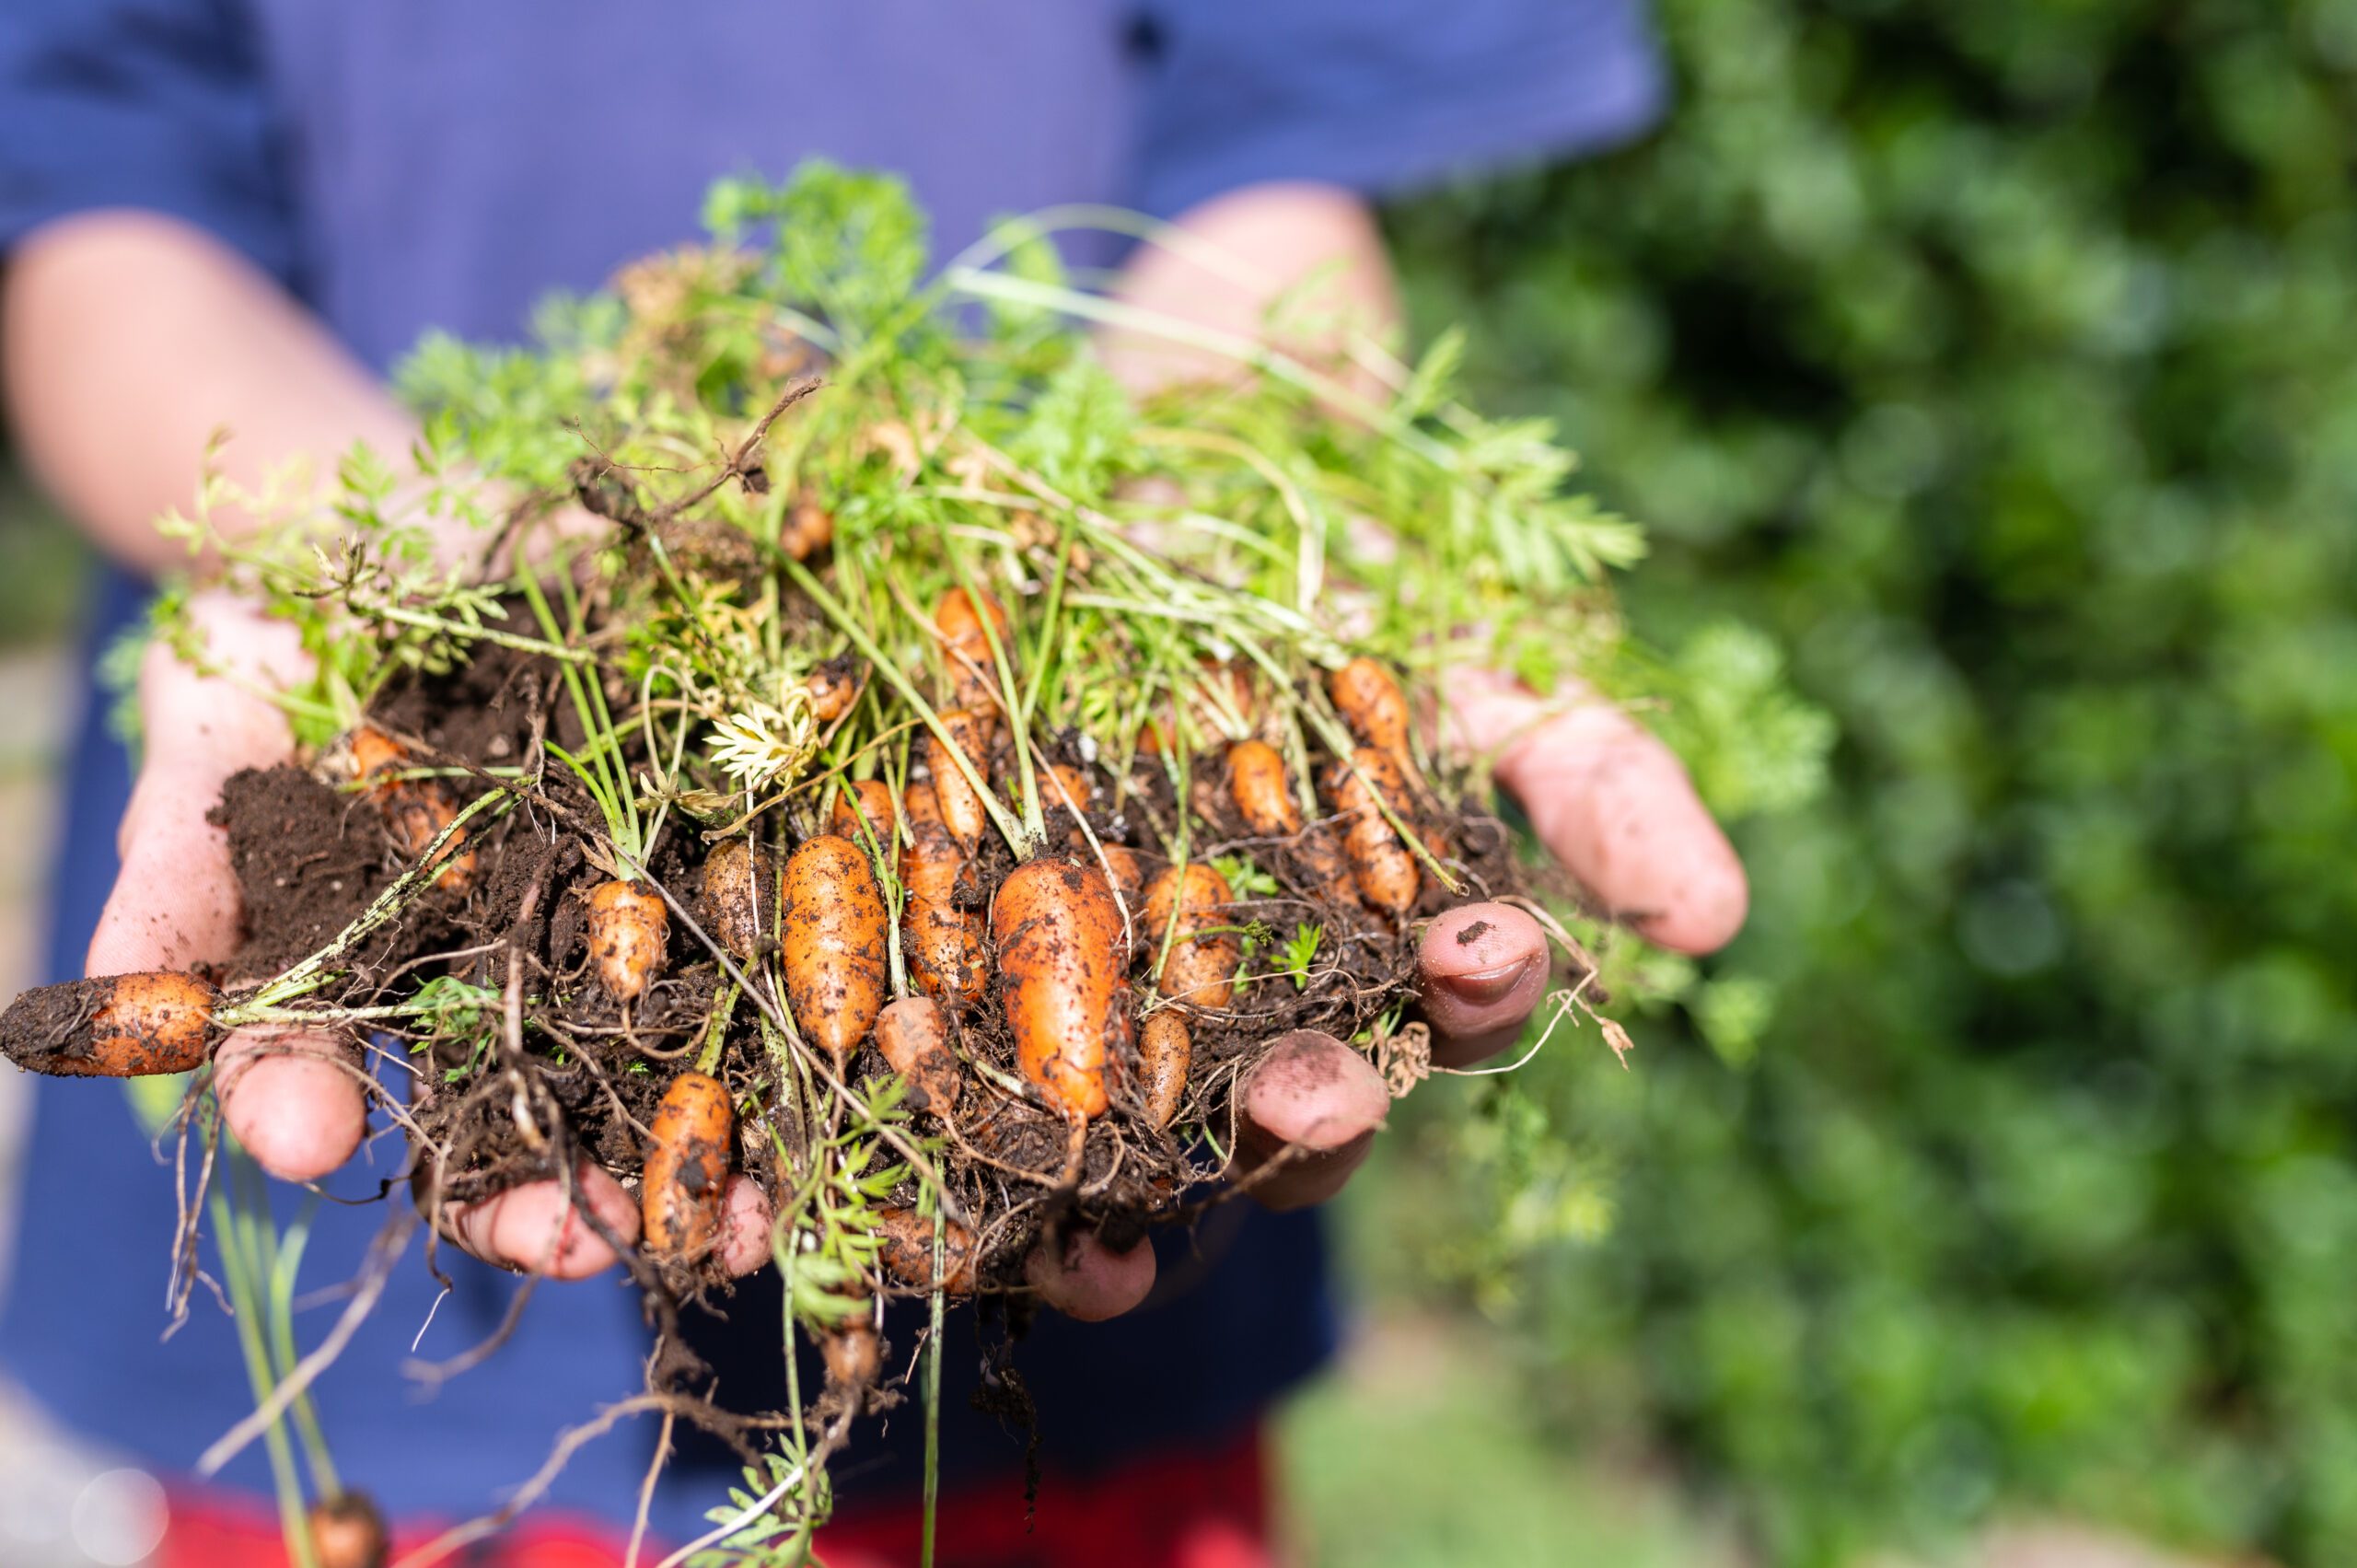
[
  {"x": 1269, "y": 238},
  {"x": 128, "y": 338}
]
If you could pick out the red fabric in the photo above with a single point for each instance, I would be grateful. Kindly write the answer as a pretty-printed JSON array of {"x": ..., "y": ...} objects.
[{"x": 1206, "y": 1510}]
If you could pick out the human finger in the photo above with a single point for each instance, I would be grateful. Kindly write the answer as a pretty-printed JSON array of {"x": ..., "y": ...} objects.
[
  {"x": 290, "y": 1100},
  {"x": 1613, "y": 804},
  {"x": 534, "y": 1229},
  {"x": 1480, "y": 971},
  {"x": 744, "y": 1226},
  {"x": 1081, "y": 1277},
  {"x": 1317, "y": 1102}
]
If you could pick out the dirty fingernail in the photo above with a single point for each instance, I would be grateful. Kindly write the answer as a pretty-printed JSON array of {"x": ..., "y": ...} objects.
[{"x": 1485, "y": 986}]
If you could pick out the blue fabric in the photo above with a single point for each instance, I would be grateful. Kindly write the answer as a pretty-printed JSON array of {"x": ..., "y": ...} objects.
[{"x": 412, "y": 163}]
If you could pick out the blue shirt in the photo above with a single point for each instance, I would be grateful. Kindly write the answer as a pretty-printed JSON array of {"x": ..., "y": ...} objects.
[{"x": 405, "y": 164}]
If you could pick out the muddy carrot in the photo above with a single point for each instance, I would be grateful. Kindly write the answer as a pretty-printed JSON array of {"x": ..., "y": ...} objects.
[
  {"x": 944, "y": 943},
  {"x": 833, "y": 943},
  {"x": 831, "y": 687},
  {"x": 1058, "y": 932},
  {"x": 1384, "y": 868},
  {"x": 416, "y": 810},
  {"x": 973, "y": 673},
  {"x": 913, "y": 1035},
  {"x": 1185, "y": 901},
  {"x": 807, "y": 529},
  {"x": 1165, "y": 1051},
  {"x": 117, "y": 1025},
  {"x": 1370, "y": 702},
  {"x": 1256, "y": 781},
  {"x": 907, "y": 1250},
  {"x": 868, "y": 801},
  {"x": 629, "y": 926},
  {"x": 740, "y": 896},
  {"x": 686, "y": 1172},
  {"x": 347, "y": 1532},
  {"x": 961, "y": 808},
  {"x": 852, "y": 1354}
]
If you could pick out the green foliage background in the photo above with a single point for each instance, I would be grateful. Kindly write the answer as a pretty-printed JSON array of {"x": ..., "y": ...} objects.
[{"x": 2001, "y": 360}]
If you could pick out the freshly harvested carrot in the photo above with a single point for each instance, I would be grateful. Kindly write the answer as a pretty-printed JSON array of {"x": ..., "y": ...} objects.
[
  {"x": 868, "y": 801},
  {"x": 1256, "y": 781},
  {"x": 834, "y": 939},
  {"x": 913, "y": 1035},
  {"x": 973, "y": 673},
  {"x": 1058, "y": 931},
  {"x": 347, "y": 1532},
  {"x": 1185, "y": 901},
  {"x": 907, "y": 1250},
  {"x": 115, "y": 1026},
  {"x": 1383, "y": 867},
  {"x": 686, "y": 1173},
  {"x": 854, "y": 1356},
  {"x": 1069, "y": 787},
  {"x": 831, "y": 687},
  {"x": 416, "y": 810},
  {"x": 1165, "y": 1050},
  {"x": 1121, "y": 863},
  {"x": 740, "y": 896},
  {"x": 628, "y": 927},
  {"x": 961, "y": 808},
  {"x": 944, "y": 943},
  {"x": 1370, "y": 702},
  {"x": 806, "y": 529}
]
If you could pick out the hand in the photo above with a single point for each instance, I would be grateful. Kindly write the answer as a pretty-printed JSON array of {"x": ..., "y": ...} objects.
[{"x": 1613, "y": 804}]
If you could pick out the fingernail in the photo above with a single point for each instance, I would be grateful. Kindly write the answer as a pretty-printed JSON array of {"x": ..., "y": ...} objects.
[{"x": 1485, "y": 986}]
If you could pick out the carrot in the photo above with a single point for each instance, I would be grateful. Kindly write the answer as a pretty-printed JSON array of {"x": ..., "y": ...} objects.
[
  {"x": 1184, "y": 900},
  {"x": 834, "y": 943},
  {"x": 1163, "y": 1051},
  {"x": 416, "y": 810},
  {"x": 347, "y": 1532},
  {"x": 116, "y": 1026},
  {"x": 913, "y": 1035},
  {"x": 831, "y": 687},
  {"x": 854, "y": 1356},
  {"x": 961, "y": 808},
  {"x": 944, "y": 943},
  {"x": 1127, "y": 874},
  {"x": 686, "y": 1172},
  {"x": 1256, "y": 781},
  {"x": 1370, "y": 702},
  {"x": 806, "y": 529},
  {"x": 740, "y": 896},
  {"x": 1383, "y": 867},
  {"x": 1058, "y": 931},
  {"x": 907, "y": 1250},
  {"x": 868, "y": 801},
  {"x": 973, "y": 673},
  {"x": 1069, "y": 787},
  {"x": 628, "y": 927}
]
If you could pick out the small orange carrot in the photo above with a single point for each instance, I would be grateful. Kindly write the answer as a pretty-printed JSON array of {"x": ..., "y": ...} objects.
[
  {"x": 831, "y": 687},
  {"x": 868, "y": 801},
  {"x": 686, "y": 1172},
  {"x": 1384, "y": 868},
  {"x": 416, "y": 810},
  {"x": 1058, "y": 932},
  {"x": 907, "y": 1250},
  {"x": 833, "y": 943},
  {"x": 913, "y": 1035},
  {"x": 740, "y": 896},
  {"x": 628, "y": 927},
  {"x": 1370, "y": 700},
  {"x": 854, "y": 1355},
  {"x": 973, "y": 673},
  {"x": 945, "y": 950},
  {"x": 1165, "y": 1051},
  {"x": 116, "y": 1026},
  {"x": 1185, "y": 901},
  {"x": 806, "y": 529},
  {"x": 961, "y": 808},
  {"x": 347, "y": 1532}
]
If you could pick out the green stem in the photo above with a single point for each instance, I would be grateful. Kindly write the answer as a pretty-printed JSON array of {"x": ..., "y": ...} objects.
[
  {"x": 240, "y": 1274},
  {"x": 932, "y": 1400}
]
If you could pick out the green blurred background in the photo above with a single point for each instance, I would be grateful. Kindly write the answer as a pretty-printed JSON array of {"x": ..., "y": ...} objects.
[{"x": 1997, "y": 361}]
